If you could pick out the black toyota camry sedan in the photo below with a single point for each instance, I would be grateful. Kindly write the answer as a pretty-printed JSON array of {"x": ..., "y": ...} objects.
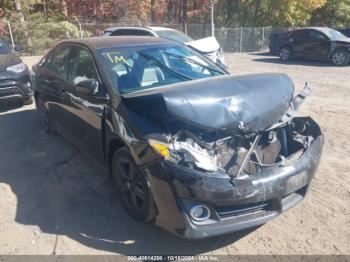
[
  {"x": 15, "y": 84},
  {"x": 189, "y": 147},
  {"x": 317, "y": 43}
]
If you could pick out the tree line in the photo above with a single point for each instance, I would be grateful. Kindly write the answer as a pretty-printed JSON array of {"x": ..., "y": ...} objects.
[
  {"x": 42, "y": 22},
  {"x": 228, "y": 13}
]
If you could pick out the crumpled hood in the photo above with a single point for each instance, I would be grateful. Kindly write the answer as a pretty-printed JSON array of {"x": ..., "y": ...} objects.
[
  {"x": 7, "y": 60},
  {"x": 251, "y": 102},
  {"x": 205, "y": 45}
]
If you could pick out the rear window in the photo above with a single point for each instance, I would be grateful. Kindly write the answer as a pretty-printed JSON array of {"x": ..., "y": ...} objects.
[
  {"x": 300, "y": 34},
  {"x": 120, "y": 32}
]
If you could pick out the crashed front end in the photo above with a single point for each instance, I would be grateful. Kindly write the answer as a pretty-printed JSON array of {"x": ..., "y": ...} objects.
[{"x": 234, "y": 157}]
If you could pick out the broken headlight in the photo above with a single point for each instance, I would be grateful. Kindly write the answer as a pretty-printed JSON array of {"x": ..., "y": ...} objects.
[
  {"x": 188, "y": 153},
  {"x": 160, "y": 147}
]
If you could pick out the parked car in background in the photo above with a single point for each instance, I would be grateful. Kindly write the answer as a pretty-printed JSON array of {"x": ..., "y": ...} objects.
[
  {"x": 276, "y": 39},
  {"x": 313, "y": 43},
  {"x": 15, "y": 84},
  {"x": 189, "y": 147},
  {"x": 345, "y": 32},
  {"x": 208, "y": 46}
]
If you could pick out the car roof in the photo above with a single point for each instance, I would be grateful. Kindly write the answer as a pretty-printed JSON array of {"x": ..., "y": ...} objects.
[
  {"x": 112, "y": 41},
  {"x": 111, "y": 29},
  {"x": 147, "y": 28},
  {"x": 159, "y": 28},
  {"x": 308, "y": 28}
]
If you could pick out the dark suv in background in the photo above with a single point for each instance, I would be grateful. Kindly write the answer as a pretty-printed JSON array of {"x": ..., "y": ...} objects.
[
  {"x": 312, "y": 43},
  {"x": 15, "y": 84}
]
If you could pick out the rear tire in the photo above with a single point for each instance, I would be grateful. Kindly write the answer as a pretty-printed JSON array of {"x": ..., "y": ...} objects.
[
  {"x": 286, "y": 54},
  {"x": 132, "y": 186},
  {"x": 44, "y": 116},
  {"x": 340, "y": 57}
]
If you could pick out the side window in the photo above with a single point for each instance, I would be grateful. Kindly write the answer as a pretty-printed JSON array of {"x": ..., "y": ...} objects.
[
  {"x": 315, "y": 35},
  {"x": 57, "y": 61},
  {"x": 120, "y": 32},
  {"x": 81, "y": 66},
  {"x": 300, "y": 34}
]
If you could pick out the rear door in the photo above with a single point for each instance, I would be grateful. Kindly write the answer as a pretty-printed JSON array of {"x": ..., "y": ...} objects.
[
  {"x": 299, "y": 41},
  {"x": 51, "y": 82}
]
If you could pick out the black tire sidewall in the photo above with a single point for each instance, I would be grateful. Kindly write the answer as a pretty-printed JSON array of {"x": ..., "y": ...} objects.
[
  {"x": 147, "y": 213},
  {"x": 42, "y": 110}
]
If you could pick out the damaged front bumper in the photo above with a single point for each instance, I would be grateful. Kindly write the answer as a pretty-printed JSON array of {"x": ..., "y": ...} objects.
[{"x": 235, "y": 203}]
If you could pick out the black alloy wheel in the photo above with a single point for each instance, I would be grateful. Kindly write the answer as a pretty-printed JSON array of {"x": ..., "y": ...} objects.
[
  {"x": 286, "y": 54},
  {"x": 340, "y": 57},
  {"x": 131, "y": 184}
]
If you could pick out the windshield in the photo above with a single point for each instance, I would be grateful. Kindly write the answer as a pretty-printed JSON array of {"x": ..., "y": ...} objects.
[
  {"x": 174, "y": 35},
  {"x": 333, "y": 34},
  {"x": 138, "y": 68},
  {"x": 4, "y": 49}
]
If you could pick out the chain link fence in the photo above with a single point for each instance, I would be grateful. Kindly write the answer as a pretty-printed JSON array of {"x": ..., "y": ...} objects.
[{"x": 37, "y": 38}]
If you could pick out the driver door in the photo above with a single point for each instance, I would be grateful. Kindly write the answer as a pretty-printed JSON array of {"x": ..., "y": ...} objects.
[
  {"x": 319, "y": 45},
  {"x": 85, "y": 121}
]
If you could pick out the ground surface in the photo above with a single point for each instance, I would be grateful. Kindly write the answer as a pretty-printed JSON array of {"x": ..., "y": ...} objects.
[{"x": 53, "y": 200}]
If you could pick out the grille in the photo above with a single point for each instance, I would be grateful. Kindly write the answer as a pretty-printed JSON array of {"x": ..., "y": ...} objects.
[
  {"x": 6, "y": 83},
  {"x": 9, "y": 91}
]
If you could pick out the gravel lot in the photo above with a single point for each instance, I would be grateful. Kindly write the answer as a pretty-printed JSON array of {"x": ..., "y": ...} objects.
[{"x": 53, "y": 200}]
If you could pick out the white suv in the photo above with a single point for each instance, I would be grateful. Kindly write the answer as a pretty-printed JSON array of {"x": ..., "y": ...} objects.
[{"x": 208, "y": 46}]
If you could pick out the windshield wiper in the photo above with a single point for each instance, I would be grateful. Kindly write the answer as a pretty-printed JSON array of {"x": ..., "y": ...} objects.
[
  {"x": 194, "y": 62},
  {"x": 151, "y": 58}
]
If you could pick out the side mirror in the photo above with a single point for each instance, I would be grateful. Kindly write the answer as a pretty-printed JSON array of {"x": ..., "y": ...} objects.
[
  {"x": 88, "y": 87},
  {"x": 18, "y": 49}
]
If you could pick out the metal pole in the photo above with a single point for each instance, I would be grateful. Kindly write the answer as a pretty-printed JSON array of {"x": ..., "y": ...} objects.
[
  {"x": 241, "y": 41},
  {"x": 80, "y": 29},
  {"x": 263, "y": 38},
  {"x": 212, "y": 20},
  {"x": 11, "y": 35}
]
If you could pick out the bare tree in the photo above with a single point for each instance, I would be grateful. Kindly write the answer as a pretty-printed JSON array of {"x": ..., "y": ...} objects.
[
  {"x": 64, "y": 8},
  {"x": 24, "y": 24},
  {"x": 184, "y": 16},
  {"x": 153, "y": 11}
]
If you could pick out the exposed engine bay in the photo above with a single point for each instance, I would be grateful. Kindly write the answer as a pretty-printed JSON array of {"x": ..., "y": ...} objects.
[
  {"x": 232, "y": 125},
  {"x": 237, "y": 155},
  {"x": 244, "y": 153}
]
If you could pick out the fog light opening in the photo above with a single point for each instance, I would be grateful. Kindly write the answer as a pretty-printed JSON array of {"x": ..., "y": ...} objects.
[{"x": 200, "y": 213}]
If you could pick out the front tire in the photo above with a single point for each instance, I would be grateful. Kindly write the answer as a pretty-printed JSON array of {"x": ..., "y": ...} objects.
[
  {"x": 44, "y": 116},
  {"x": 340, "y": 57},
  {"x": 132, "y": 186},
  {"x": 286, "y": 54}
]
